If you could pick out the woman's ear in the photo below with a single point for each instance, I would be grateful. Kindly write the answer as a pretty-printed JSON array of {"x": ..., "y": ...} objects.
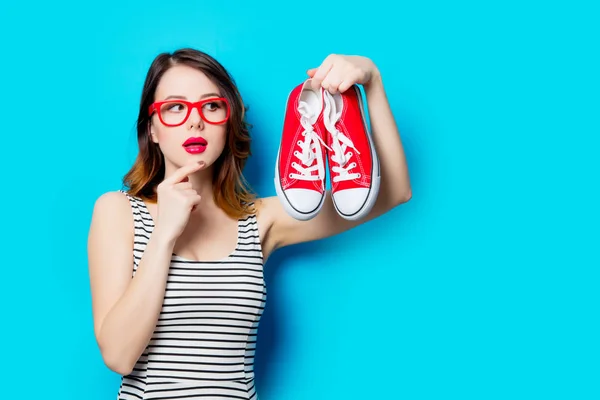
[{"x": 153, "y": 135}]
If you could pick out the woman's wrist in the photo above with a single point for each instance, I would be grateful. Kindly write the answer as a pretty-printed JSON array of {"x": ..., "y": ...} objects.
[{"x": 163, "y": 237}]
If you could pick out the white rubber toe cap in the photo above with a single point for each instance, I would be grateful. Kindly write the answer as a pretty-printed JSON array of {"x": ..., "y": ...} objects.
[
  {"x": 304, "y": 200},
  {"x": 350, "y": 201}
]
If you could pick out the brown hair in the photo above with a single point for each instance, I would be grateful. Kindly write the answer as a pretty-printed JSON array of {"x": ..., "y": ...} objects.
[{"x": 231, "y": 191}]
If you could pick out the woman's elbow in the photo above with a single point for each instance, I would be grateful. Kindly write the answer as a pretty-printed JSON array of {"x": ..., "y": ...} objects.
[
  {"x": 403, "y": 197},
  {"x": 116, "y": 361},
  {"x": 118, "y": 365}
]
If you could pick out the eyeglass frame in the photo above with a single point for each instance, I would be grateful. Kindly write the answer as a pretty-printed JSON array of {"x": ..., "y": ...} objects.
[{"x": 155, "y": 107}]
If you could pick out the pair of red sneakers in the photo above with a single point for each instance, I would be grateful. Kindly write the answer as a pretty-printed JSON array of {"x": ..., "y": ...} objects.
[{"x": 320, "y": 127}]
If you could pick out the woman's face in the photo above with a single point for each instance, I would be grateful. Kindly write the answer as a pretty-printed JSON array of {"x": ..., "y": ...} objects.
[{"x": 195, "y": 139}]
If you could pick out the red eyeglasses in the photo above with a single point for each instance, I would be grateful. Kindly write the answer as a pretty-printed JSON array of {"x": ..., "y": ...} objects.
[{"x": 175, "y": 112}]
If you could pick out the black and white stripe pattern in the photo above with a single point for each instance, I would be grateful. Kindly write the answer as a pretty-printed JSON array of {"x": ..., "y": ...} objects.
[{"x": 204, "y": 342}]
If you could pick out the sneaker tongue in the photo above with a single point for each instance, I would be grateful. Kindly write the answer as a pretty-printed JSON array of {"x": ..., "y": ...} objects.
[
  {"x": 333, "y": 110},
  {"x": 305, "y": 111}
]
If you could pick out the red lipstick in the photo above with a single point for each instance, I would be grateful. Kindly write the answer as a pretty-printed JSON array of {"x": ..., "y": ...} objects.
[{"x": 195, "y": 145}]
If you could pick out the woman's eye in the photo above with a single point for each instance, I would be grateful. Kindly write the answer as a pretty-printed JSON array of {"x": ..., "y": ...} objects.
[
  {"x": 212, "y": 106},
  {"x": 175, "y": 107}
]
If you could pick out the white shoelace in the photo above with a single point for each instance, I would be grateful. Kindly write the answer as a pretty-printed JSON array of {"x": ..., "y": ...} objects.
[
  {"x": 311, "y": 151},
  {"x": 340, "y": 143}
]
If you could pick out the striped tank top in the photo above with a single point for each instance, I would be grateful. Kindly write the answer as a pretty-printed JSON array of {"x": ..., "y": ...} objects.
[{"x": 205, "y": 337}]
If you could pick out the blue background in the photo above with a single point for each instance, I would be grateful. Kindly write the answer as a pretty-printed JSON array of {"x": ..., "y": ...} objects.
[{"x": 484, "y": 286}]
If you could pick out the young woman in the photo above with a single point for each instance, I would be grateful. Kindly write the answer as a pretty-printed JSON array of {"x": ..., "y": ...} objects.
[{"x": 176, "y": 260}]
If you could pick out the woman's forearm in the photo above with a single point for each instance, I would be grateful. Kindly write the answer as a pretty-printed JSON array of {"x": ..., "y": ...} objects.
[
  {"x": 129, "y": 325},
  {"x": 395, "y": 182}
]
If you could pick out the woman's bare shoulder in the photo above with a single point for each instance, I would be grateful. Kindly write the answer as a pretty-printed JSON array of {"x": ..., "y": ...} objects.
[
  {"x": 265, "y": 215},
  {"x": 113, "y": 208},
  {"x": 264, "y": 210},
  {"x": 112, "y": 199}
]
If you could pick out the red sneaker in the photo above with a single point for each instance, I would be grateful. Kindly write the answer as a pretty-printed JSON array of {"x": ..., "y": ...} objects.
[
  {"x": 353, "y": 161},
  {"x": 300, "y": 167}
]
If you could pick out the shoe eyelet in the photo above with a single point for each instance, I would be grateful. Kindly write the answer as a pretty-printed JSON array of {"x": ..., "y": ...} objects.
[
  {"x": 299, "y": 143},
  {"x": 290, "y": 176}
]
